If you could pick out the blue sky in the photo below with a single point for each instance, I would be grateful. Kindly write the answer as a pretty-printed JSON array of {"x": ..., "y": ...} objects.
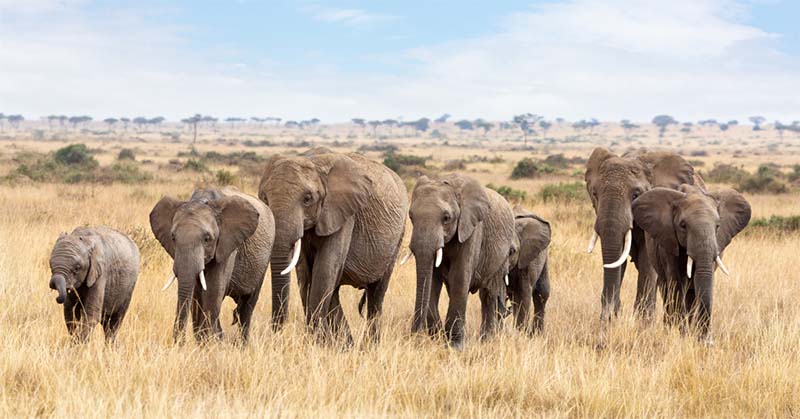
[{"x": 335, "y": 60}]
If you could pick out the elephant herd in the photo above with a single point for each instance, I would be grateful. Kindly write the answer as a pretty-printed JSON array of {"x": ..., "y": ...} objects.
[{"x": 339, "y": 219}]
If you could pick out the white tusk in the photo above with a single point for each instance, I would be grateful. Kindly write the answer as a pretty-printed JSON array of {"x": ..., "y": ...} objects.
[
  {"x": 203, "y": 280},
  {"x": 295, "y": 258},
  {"x": 689, "y": 263},
  {"x": 722, "y": 266},
  {"x": 625, "y": 251},
  {"x": 169, "y": 282},
  {"x": 592, "y": 242},
  {"x": 438, "y": 257},
  {"x": 405, "y": 258},
  {"x": 506, "y": 279}
]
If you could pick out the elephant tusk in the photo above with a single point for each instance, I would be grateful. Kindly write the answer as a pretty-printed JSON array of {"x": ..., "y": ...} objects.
[
  {"x": 295, "y": 258},
  {"x": 592, "y": 242},
  {"x": 689, "y": 263},
  {"x": 438, "y": 257},
  {"x": 625, "y": 251},
  {"x": 405, "y": 258},
  {"x": 722, "y": 266},
  {"x": 203, "y": 281},
  {"x": 506, "y": 279},
  {"x": 169, "y": 282}
]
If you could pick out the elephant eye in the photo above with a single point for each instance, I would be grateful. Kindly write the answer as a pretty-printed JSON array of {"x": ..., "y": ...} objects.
[
  {"x": 446, "y": 217},
  {"x": 683, "y": 224},
  {"x": 207, "y": 237},
  {"x": 308, "y": 198},
  {"x": 173, "y": 236}
]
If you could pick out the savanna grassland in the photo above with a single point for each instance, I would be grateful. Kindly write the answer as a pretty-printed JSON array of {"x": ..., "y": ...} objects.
[{"x": 646, "y": 370}]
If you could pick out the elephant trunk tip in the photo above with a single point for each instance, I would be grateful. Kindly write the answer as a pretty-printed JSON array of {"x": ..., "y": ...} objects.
[{"x": 58, "y": 283}]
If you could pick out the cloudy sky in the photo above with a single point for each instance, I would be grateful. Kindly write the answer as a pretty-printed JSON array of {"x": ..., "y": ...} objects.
[{"x": 335, "y": 60}]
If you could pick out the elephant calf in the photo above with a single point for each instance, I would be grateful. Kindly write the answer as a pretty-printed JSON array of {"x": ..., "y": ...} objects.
[
  {"x": 94, "y": 271},
  {"x": 528, "y": 276}
]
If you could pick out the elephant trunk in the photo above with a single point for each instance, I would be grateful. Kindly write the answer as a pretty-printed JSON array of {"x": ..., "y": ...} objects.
[
  {"x": 423, "y": 294},
  {"x": 59, "y": 283},
  {"x": 280, "y": 288},
  {"x": 185, "y": 290},
  {"x": 613, "y": 235},
  {"x": 704, "y": 295},
  {"x": 288, "y": 233}
]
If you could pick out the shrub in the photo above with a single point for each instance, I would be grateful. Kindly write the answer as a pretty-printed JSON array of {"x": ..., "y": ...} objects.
[
  {"x": 726, "y": 173},
  {"x": 195, "y": 165},
  {"x": 766, "y": 179},
  {"x": 529, "y": 168},
  {"x": 401, "y": 162},
  {"x": 558, "y": 161},
  {"x": 126, "y": 154},
  {"x": 508, "y": 192},
  {"x": 452, "y": 165},
  {"x": 124, "y": 172},
  {"x": 563, "y": 192},
  {"x": 778, "y": 222},
  {"x": 225, "y": 177},
  {"x": 74, "y": 154}
]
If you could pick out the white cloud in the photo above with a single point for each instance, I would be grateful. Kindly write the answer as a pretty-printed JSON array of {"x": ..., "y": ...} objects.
[
  {"x": 345, "y": 16},
  {"x": 609, "y": 59}
]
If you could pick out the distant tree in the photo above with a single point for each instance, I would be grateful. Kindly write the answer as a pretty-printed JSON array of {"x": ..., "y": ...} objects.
[
  {"x": 157, "y": 121},
  {"x": 592, "y": 124},
  {"x": 390, "y": 123},
  {"x": 781, "y": 127},
  {"x": 560, "y": 121},
  {"x": 51, "y": 119},
  {"x": 627, "y": 127},
  {"x": 686, "y": 129},
  {"x": 2, "y": 118},
  {"x": 192, "y": 121},
  {"x": 374, "y": 125},
  {"x": 359, "y": 121},
  {"x": 110, "y": 122},
  {"x": 663, "y": 122},
  {"x": 707, "y": 122},
  {"x": 733, "y": 123},
  {"x": 140, "y": 122},
  {"x": 234, "y": 120},
  {"x": 442, "y": 119},
  {"x": 545, "y": 126},
  {"x": 125, "y": 122},
  {"x": 464, "y": 125},
  {"x": 292, "y": 124},
  {"x": 526, "y": 122},
  {"x": 209, "y": 120},
  {"x": 421, "y": 125},
  {"x": 723, "y": 127},
  {"x": 74, "y": 121},
  {"x": 484, "y": 125},
  {"x": 757, "y": 121}
]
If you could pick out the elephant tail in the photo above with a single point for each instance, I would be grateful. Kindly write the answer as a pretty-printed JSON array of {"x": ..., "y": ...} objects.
[{"x": 361, "y": 304}]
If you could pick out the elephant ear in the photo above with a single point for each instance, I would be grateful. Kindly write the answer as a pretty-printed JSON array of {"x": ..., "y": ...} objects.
[
  {"x": 161, "y": 222},
  {"x": 474, "y": 203},
  {"x": 268, "y": 167},
  {"x": 237, "y": 220},
  {"x": 653, "y": 212},
  {"x": 534, "y": 237},
  {"x": 97, "y": 259},
  {"x": 734, "y": 215},
  {"x": 599, "y": 155},
  {"x": 347, "y": 191},
  {"x": 667, "y": 170}
]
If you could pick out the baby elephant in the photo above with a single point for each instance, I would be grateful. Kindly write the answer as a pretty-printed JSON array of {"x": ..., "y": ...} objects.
[
  {"x": 94, "y": 271},
  {"x": 689, "y": 229},
  {"x": 528, "y": 276}
]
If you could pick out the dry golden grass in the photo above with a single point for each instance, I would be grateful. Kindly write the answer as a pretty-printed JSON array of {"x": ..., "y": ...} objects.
[{"x": 646, "y": 370}]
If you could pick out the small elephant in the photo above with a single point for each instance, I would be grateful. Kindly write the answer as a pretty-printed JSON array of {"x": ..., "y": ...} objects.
[
  {"x": 528, "y": 276},
  {"x": 340, "y": 221},
  {"x": 220, "y": 241},
  {"x": 690, "y": 229},
  {"x": 94, "y": 271},
  {"x": 462, "y": 238}
]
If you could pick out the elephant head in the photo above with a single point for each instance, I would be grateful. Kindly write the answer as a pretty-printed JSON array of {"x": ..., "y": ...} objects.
[
  {"x": 198, "y": 232},
  {"x": 442, "y": 211},
  {"x": 533, "y": 234},
  {"x": 691, "y": 222},
  {"x": 318, "y": 191},
  {"x": 75, "y": 261}
]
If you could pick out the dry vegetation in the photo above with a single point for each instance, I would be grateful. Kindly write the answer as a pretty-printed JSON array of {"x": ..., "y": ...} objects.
[{"x": 646, "y": 371}]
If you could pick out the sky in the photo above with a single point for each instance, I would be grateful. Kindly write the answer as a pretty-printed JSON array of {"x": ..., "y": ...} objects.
[{"x": 342, "y": 59}]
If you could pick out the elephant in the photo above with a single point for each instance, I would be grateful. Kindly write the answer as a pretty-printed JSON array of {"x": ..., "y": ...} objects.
[
  {"x": 613, "y": 183},
  {"x": 220, "y": 241},
  {"x": 340, "y": 221},
  {"x": 529, "y": 276},
  {"x": 94, "y": 270},
  {"x": 690, "y": 228},
  {"x": 462, "y": 237}
]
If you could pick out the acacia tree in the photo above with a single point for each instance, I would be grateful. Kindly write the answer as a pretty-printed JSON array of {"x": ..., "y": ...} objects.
[
  {"x": 125, "y": 121},
  {"x": 627, "y": 128},
  {"x": 442, "y": 119},
  {"x": 390, "y": 123},
  {"x": 464, "y": 125},
  {"x": 663, "y": 122},
  {"x": 110, "y": 122},
  {"x": 2, "y": 118},
  {"x": 374, "y": 124},
  {"x": 545, "y": 126},
  {"x": 485, "y": 126},
  {"x": 757, "y": 121},
  {"x": 192, "y": 121},
  {"x": 526, "y": 122}
]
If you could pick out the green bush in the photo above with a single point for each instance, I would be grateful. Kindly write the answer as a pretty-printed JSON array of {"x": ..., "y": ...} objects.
[
  {"x": 195, "y": 165},
  {"x": 126, "y": 154},
  {"x": 225, "y": 177},
  {"x": 778, "y": 222},
  {"x": 563, "y": 192},
  {"x": 73, "y": 164},
  {"x": 529, "y": 168},
  {"x": 75, "y": 154},
  {"x": 124, "y": 172},
  {"x": 401, "y": 162},
  {"x": 726, "y": 173},
  {"x": 509, "y": 193}
]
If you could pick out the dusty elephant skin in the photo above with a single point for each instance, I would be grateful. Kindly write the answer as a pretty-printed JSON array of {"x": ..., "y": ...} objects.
[
  {"x": 220, "y": 242},
  {"x": 689, "y": 229},
  {"x": 613, "y": 183},
  {"x": 462, "y": 238},
  {"x": 340, "y": 220},
  {"x": 94, "y": 271},
  {"x": 528, "y": 275}
]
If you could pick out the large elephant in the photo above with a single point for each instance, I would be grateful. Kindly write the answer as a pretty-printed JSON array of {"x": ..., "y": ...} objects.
[
  {"x": 340, "y": 221},
  {"x": 613, "y": 183},
  {"x": 462, "y": 238},
  {"x": 689, "y": 229},
  {"x": 529, "y": 276},
  {"x": 220, "y": 241},
  {"x": 94, "y": 271}
]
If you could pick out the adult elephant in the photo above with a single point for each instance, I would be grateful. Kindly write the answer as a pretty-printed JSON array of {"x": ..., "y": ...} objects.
[
  {"x": 220, "y": 241},
  {"x": 690, "y": 229},
  {"x": 340, "y": 221},
  {"x": 529, "y": 276},
  {"x": 462, "y": 237},
  {"x": 613, "y": 183}
]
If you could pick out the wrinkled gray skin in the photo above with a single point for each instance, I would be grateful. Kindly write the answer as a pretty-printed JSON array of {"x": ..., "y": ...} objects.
[
  {"x": 226, "y": 234},
  {"x": 94, "y": 271},
  {"x": 613, "y": 183},
  {"x": 689, "y": 222},
  {"x": 475, "y": 228},
  {"x": 350, "y": 213},
  {"x": 528, "y": 276}
]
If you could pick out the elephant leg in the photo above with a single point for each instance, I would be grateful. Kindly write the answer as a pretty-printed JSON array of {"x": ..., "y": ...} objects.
[
  {"x": 455, "y": 321},
  {"x": 434, "y": 319},
  {"x": 244, "y": 311},
  {"x": 689, "y": 314},
  {"x": 90, "y": 310},
  {"x": 198, "y": 317},
  {"x": 489, "y": 314},
  {"x": 541, "y": 293},
  {"x": 325, "y": 278},
  {"x": 522, "y": 300},
  {"x": 303, "y": 271},
  {"x": 338, "y": 325},
  {"x": 645, "y": 303},
  {"x": 112, "y": 322},
  {"x": 71, "y": 314},
  {"x": 375, "y": 294}
]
